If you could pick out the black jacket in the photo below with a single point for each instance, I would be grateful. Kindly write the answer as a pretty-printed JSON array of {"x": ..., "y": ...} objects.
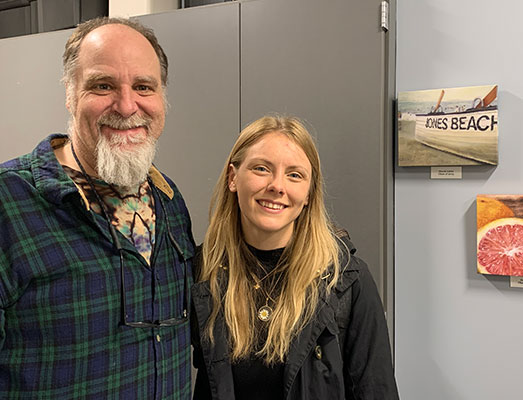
[{"x": 343, "y": 353}]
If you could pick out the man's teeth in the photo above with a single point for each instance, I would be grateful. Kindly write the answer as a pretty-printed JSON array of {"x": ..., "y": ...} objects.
[{"x": 272, "y": 205}]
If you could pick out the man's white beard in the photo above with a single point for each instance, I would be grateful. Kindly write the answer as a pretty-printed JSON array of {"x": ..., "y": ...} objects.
[{"x": 116, "y": 165}]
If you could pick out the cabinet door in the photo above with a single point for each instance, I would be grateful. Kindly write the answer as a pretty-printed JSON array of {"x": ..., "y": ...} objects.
[
  {"x": 57, "y": 14},
  {"x": 327, "y": 63},
  {"x": 15, "y": 21},
  {"x": 202, "y": 44}
]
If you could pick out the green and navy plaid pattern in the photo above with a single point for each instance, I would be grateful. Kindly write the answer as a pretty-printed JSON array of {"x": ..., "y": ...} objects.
[{"x": 60, "y": 332}]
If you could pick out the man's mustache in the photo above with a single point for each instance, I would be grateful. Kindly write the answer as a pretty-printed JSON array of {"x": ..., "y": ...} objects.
[{"x": 116, "y": 121}]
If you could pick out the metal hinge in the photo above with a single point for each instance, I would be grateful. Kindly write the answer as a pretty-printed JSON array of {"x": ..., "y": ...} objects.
[{"x": 385, "y": 15}]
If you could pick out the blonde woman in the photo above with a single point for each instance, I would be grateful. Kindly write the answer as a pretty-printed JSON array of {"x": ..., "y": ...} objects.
[{"x": 281, "y": 307}]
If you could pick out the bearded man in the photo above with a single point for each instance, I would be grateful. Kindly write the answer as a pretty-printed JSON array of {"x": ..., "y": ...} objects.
[{"x": 95, "y": 243}]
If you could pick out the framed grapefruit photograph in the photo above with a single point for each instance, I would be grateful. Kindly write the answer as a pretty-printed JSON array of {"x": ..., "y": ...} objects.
[
  {"x": 451, "y": 126},
  {"x": 500, "y": 234}
]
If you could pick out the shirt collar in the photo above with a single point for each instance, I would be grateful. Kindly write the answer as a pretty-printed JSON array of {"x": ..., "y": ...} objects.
[{"x": 54, "y": 184}]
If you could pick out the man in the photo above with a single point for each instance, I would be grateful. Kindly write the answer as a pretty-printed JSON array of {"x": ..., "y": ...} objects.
[{"x": 95, "y": 243}]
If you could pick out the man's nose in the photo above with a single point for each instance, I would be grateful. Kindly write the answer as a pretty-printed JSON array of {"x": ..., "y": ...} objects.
[{"x": 125, "y": 102}]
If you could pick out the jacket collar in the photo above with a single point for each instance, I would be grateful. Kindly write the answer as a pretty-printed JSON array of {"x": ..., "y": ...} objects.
[{"x": 325, "y": 315}]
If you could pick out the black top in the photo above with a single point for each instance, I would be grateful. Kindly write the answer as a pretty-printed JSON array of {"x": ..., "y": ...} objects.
[
  {"x": 253, "y": 379},
  {"x": 342, "y": 353}
]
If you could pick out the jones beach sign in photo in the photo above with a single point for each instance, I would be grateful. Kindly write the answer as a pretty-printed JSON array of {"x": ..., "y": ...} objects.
[{"x": 457, "y": 126}]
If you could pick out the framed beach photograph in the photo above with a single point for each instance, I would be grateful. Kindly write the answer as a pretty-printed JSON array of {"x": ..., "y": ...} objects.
[
  {"x": 452, "y": 126},
  {"x": 500, "y": 234}
]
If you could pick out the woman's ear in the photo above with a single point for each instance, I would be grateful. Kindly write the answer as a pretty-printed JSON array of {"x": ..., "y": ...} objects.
[{"x": 232, "y": 178}]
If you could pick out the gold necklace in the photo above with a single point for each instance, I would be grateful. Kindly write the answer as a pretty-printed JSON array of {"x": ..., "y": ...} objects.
[{"x": 265, "y": 311}]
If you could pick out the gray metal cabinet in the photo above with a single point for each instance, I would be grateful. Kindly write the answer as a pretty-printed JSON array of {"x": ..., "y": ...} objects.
[
  {"x": 23, "y": 17},
  {"x": 328, "y": 63}
]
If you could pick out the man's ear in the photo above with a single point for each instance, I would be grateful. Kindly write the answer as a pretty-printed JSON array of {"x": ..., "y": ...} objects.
[
  {"x": 232, "y": 178},
  {"x": 69, "y": 98}
]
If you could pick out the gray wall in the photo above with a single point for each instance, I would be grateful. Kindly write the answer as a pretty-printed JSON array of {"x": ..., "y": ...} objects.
[
  {"x": 32, "y": 99},
  {"x": 458, "y": 334}
]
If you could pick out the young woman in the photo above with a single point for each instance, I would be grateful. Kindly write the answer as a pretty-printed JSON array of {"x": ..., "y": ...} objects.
[{"x": 282, "y": 309}]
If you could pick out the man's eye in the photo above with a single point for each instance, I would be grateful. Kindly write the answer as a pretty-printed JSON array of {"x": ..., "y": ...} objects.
[
  {"x": 102, "y": 86},
  {"x": 143, "y": 88}
]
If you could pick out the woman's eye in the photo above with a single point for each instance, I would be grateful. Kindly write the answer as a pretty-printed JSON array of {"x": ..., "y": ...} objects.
[
  {"x": 295, "y": 175},
  {"x": 260, "y": 168}
]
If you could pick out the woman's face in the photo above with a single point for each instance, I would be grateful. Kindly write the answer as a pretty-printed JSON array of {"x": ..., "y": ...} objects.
[{"x": 272, "y": 184}]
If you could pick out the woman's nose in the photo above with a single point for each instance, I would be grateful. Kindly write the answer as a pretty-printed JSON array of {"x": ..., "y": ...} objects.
[{"x": 276, "y": 184}]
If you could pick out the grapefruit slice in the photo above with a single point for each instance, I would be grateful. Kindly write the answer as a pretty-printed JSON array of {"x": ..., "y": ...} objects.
[{"x": 500, "y": 247}]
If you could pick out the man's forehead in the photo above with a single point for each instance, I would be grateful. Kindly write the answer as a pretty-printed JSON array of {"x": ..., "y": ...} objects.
[
  {"x": 110, "y": 30},
  {"x": 117, "y": 35},
  {"x": 116, "y": 41}
]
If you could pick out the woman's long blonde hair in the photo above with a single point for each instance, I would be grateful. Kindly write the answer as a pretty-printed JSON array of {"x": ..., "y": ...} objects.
[{"x": 308, "y": 255}]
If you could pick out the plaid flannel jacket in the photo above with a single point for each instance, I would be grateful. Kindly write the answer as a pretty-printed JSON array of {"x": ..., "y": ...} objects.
[{"x": 60, "y": 308}]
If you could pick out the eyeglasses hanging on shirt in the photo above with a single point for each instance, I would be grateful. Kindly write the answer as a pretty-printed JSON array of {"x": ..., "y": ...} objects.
[{"x": 116, "y": 241}]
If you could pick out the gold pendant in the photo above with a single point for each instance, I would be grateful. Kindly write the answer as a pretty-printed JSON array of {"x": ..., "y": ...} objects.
[{"x": 265, "y": 313}]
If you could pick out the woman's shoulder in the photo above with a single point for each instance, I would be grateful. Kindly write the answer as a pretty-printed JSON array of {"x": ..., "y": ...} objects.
[
  {"x": 346, "y": 248},
  {"x": 351, "y": 266}
]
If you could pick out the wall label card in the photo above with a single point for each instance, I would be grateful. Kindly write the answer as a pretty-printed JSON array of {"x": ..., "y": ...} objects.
[
  {"x": 516, "y": 281},
  {"x": 445, "y": 173}
]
